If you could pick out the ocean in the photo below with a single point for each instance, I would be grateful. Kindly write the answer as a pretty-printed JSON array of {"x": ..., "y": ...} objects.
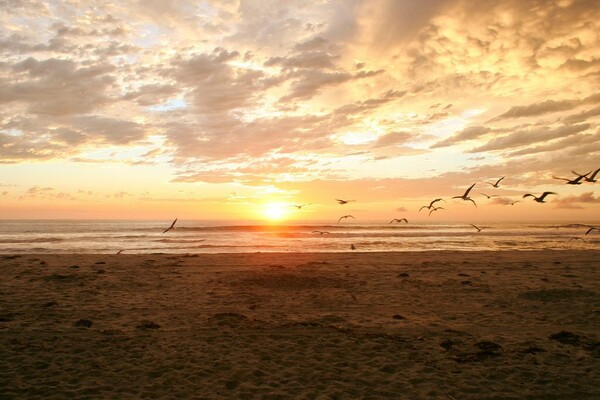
[{"x": 94, "y": 236}]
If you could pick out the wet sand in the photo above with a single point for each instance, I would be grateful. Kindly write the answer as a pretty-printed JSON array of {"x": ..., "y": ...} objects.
[{"x": 423, "y": 325}]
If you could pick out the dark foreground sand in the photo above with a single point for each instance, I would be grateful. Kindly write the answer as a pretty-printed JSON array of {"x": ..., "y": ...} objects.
[{"x": 435, "y": 325}]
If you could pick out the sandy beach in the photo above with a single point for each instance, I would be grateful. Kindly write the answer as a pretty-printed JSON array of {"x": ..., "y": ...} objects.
[{"x": 420, "y": 325}]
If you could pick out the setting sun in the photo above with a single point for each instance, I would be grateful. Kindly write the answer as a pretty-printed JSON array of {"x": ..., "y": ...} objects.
[{"x": 275, "y": 211}]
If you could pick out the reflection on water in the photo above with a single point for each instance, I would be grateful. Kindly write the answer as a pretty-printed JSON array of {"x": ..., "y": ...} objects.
[{"x": 202, "y": 237}]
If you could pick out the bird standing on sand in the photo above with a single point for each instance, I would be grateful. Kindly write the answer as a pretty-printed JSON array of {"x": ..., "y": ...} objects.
[
  {"x": 466, "y": 197},
  {"x": 538, "y": 199},
  {"x": 497, "y": 182},
  {"x": 574, "y": 181},
  {"x": 399, "y": 220},
  {"x": 171, "y": 227},
  {"x": 345, "y": 216},
  {"x": 343, "y": 201},
  {"x": 479, "y": 229},
  {"x": 591, "y": 178}
]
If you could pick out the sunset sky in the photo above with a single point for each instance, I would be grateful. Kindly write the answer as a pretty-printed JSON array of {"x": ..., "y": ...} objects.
[{"x": 216, "y": 109}]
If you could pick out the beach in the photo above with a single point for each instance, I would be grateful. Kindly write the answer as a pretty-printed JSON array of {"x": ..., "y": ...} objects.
[{"x": 345, "y": 325}]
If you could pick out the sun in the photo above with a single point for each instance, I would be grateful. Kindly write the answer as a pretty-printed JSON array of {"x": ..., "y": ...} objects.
[{"x": 275, "y": 211}]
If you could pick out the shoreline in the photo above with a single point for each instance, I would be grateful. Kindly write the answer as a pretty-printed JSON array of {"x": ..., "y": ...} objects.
[{"x": 502, "y": 324}]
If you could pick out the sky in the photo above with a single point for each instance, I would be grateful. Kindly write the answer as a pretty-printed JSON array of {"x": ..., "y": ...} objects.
[{"x": 238, "y": 110}]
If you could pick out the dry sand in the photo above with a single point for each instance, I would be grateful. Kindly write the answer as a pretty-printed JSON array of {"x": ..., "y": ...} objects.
[{"x": 433, "y": 325}]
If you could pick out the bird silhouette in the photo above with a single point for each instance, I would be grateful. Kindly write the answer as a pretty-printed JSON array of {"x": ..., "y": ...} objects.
[
  {"x": 489, "y": 196},
  {"x": 497, "y": 182},
  {"x": 591, "y": 229},
  {"x": 538, "y": 199},
  {"x": 352, "y": 247},
  {"x": 171, "y": 227},
  {"x": 479, "y": 229},
  {"x": 431, "y": 204},
  {"x": 574, "y": 181},
  {"x": 466, "y": 197},
  {"x": 576, "y": 238},
  {"x": 345, "y": 216},
  {"x": 299, "y": 206},
  {"x": 435, "y": 209},
  {"x": 591, "y": 178},
  {"x": 399, "y": 220},
  {"x": 343, "y": 201},
  {"x": 512, "y": 203},
  {"x": 120, "y": 251},
  {"x": 322, "y": 232}
]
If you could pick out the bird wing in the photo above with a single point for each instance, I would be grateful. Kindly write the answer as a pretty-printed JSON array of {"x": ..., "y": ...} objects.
[
  {"x": 498, "y": 181},
  {"x": 403, "y": 219},
  {"x": 591, "y": 229},
  {"x": 563, "y": 179},
  {"x": 469, "y": 199},
  {"x": 424, "y": 207},
  {"x": 475, "y": 227},
  {"x": 595, "y": 173},
  {"x": 545, "y": 194},
  {"x": 528, "y": 195},
  {"x": 341, "y": 218},
  {"x": 468, "y": 190}
]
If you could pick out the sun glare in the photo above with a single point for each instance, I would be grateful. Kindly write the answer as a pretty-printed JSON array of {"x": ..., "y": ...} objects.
[{"x": 275, "y": 211}]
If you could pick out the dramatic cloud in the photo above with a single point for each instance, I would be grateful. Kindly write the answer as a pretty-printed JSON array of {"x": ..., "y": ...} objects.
[{"x": 575, "y": 201}]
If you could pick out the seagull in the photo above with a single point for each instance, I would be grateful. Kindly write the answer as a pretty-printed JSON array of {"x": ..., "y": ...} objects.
[
  {"x": 399, "y": 220},
  {"x": 497, "y": 182},
  {"x": 171, "y": 227},
  {"x": 299, "y": 206},
  {"x": 431, "y": 204},
  {"x": 575, "y": 181},
  {"x": 592, "y": 178},
  {"x": 512, "y": 203},
  {"x": 435, "y": 209},
  {"x": 343, "y": 201},
  {"x": 591, "y": 229},
  {"x": 466, "y": 195},
  {"x": 478, "y": 228},
  {"x": 489, "y": 196},
  {"x": 538, "y": 199},
  {"x": 576, "y": 238},
  {"x": 322, "y": 232},
  {"x": 345, "y": 216}
]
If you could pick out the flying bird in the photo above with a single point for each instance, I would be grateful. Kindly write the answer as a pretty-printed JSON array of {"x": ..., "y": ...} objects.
[
  {"x": 538, "y": 199},
  {"x": 591, "y": 229},
  {"x": 576, "y": 238},
  {"x": 343, "y": 201},
  {"x": 591, "y": 178},
  {"x": 399, "y": 220},
  {"x": 171, "y": 227},
  {"x": 430, "y": 206},
  {"x": 345, "y": 216},
  {"x": 435, "y": 209},
  {"x": 497, "y": 182},
  {"x": 478, "y": 228},
  {"x": 574, "y": 181},
  {"x": 512, "y": 203},
  {"x": 489, "y": 196},
  {"x": 466, "y": 197},
  {"x": 299, "y": 206},
  {"x": 322, "y": 232}
]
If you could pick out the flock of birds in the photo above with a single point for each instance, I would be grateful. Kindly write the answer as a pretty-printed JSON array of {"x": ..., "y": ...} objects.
[{"x": 590, "y": 177}]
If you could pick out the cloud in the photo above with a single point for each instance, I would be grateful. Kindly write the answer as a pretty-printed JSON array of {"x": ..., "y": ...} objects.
[
  {"x": 545, "y": 107},
  {"x": 529, "y": 137},
  {"x": 469, "y": 133},
  {"x": 57, "y": 87},
  {"x": 575, "y": 201},
  {"x": 393, "y": 138}
]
